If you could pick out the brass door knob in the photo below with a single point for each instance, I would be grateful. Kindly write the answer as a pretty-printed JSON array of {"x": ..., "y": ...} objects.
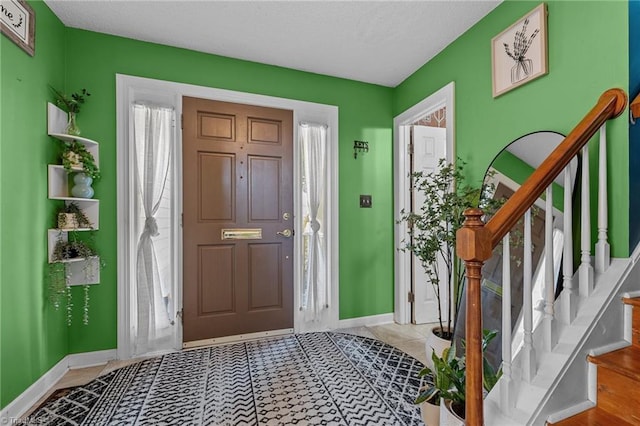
[{"x": 286, "y": 233}]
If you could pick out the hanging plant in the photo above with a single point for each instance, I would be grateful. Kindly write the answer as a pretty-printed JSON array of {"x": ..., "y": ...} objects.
[{"x": 60, "y": 273}]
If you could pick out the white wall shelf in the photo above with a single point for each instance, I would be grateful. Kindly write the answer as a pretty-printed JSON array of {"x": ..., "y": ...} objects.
[{"x": 79, "y": 271}]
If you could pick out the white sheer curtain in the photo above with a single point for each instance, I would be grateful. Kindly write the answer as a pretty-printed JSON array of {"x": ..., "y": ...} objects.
[
  {"x": 153, "y": 142},
  {"x": 315, "y": 291}
]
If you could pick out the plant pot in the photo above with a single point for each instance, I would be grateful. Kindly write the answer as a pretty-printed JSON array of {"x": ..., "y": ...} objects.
[
  {"x": 430, "y": 413},
  {"x": 447, "y": 415},
  {"x": 435, "y": 343},
  {"x": 74, "y": 159},
  {"x": 67, "y": 221}
]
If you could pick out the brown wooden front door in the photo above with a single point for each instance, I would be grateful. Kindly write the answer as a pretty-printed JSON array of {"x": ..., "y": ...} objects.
[{"x": 238, "y": 196}]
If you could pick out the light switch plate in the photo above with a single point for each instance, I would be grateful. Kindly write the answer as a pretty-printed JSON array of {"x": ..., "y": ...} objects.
[{"x": 365, "y": 201}]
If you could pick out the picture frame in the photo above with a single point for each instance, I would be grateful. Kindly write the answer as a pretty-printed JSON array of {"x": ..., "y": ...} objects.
[
  {"x": 519, "y": 53},
  {"x": 18, "y": 23}
]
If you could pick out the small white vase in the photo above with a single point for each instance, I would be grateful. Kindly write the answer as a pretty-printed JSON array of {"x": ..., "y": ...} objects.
[
  {"x": 430, "y": 413},
  {"x": 435, "y": 343},
  {"x": 447, "y": 416}
]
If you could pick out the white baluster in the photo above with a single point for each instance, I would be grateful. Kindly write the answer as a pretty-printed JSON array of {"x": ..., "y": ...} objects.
[
  {"x": 603, "y": 256},
  {"x": 585, "y": 272},
  {"x": 528, "y": 351},
  {"x": 568, "y": 297},
  {"x": 505, "y": 382},
  {"x": 550, "y": 332}
]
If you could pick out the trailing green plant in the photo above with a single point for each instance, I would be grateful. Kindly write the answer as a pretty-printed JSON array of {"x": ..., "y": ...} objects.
[
  {"x": 432, "y": 230},
  {"x": 448, "y": 379},
  {"x": 75, "y": 152},
  {"x": 70, "y": 103},
  {"x": 75, "y": 249},
  {"x": 60, "y": 273},
  {"x": 81, "y": 219}
]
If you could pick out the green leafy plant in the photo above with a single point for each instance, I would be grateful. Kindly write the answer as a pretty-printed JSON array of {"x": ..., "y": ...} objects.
[
  {"x": 448, "y": 376},
  {"x": 75, "y": 154},
  {"x": 70, "y": 103},
  {"x": 79, "y": 218},
  {"x": 432, "y": 230},
  {"x": 74, "y": 249}
]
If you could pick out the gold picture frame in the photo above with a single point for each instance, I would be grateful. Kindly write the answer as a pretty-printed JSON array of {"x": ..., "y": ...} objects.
[
  {"x": 18, "y": 23},
  {"x": 519, "y": 53}
]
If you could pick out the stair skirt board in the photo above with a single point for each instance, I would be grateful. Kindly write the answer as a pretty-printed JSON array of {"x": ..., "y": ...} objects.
[{"x": 547, "y": 394}]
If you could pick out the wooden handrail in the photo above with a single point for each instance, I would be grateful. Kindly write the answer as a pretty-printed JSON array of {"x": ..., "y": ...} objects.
[
  {"x": 610, "y": 105},
  {"x": 475, "y": 240},
  {"x": 635, "y": 107}
]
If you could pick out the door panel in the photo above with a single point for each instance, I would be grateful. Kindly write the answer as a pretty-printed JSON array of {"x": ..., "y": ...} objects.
[
  {"x": 238, "y": 174},
  {"x": 217, "y": 202},
  {"x": 429, "y": 146},
  {"x": 265, "y": 260}
]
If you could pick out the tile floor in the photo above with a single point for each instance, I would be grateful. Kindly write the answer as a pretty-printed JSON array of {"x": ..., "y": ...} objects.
[{"x": 408, "y": 338}]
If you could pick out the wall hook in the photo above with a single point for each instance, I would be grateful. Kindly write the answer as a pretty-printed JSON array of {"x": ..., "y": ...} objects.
[{"x": 360, "y": 146}]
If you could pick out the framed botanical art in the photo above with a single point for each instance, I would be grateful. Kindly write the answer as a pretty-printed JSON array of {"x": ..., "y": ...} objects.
[
  {"x": 18, "y": 23},
  {"x": 519, "y": 53}
]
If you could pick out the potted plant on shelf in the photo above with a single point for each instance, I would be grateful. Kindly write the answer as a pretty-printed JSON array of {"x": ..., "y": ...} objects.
[
  {"x": 432, "y": 231},
  {"x": 442, "y": 399},
  {"x": 75, "y": 157},
  {"x": 71, "y": 216},
  {"x": 63, "y": 254},
  {"x": 71, "y": 104}
]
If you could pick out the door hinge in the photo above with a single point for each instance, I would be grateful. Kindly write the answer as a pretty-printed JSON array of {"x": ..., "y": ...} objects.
[
  {"x": 182, "y": 121},
  {"x": 180, "y": 314},
  {"x": 182, "y": 220},
  {"x": 410, "y": 148},
  {"x": 412, "y": 297}
]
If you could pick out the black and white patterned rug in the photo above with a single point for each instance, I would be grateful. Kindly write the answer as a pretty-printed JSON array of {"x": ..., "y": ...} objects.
[{"x": 304, "y": 379}]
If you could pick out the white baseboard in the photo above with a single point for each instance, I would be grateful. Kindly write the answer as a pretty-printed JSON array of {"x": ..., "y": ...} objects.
[
  {"x": 27, "y": 399},
  {"x": 570, "y": 411},
  {"x": 366, "y": 321}
]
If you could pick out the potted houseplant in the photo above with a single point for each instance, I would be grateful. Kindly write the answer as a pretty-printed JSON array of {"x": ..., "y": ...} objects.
[
  {"x": 432, "y": 230},
  {"x": 445, "y": 393},
  {"x": 71, "y": 104},
  {"x": 75, "y": 156},
  {"x": 71, "y": 216},
  {"x": 64, "y": 253}
]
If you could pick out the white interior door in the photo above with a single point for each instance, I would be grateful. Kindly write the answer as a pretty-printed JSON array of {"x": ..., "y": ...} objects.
[{"x": 429, "y": 146}]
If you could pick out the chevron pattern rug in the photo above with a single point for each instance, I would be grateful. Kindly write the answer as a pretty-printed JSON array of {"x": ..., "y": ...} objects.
[{"x": 304, "y": 379}]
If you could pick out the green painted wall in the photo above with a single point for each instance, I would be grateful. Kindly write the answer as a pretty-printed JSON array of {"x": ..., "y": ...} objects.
[
  {"x": 33, "y": 336},
  {"x": 588, "y": 53},
  {"x": 366, "y": 240}
]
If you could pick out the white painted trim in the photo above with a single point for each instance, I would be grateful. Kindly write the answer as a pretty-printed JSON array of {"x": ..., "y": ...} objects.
[
  {"x": 27, "y": 399},
  {"x": 592, "y": 383},
  {"x": 627, "y": 326},
  {"x": 608, "y": 348},
  {"x": 128, "y": 89},
  {"x": 631, "y": 294},
  {"x": 570, "y": 411},
  {"x": 402, "y": 200},
  {"x": 366, "y": 321}
]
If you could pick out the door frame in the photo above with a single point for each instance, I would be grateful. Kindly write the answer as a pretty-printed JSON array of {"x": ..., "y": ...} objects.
[
  {"x": 402, "y": 197},
  {"x": 130, "y": 89}
]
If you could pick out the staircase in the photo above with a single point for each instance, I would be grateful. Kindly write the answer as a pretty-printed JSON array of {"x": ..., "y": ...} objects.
[
  {"x": 548, "y": 372},
  {"x": 618, "y": 383}
]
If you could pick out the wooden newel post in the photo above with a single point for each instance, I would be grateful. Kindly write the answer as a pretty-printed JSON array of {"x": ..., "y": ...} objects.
[{"x": 473, "y": 245}]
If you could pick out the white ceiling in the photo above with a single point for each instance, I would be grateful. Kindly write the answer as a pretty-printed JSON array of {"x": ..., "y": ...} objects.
[{"x": 381, "y": 42}]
